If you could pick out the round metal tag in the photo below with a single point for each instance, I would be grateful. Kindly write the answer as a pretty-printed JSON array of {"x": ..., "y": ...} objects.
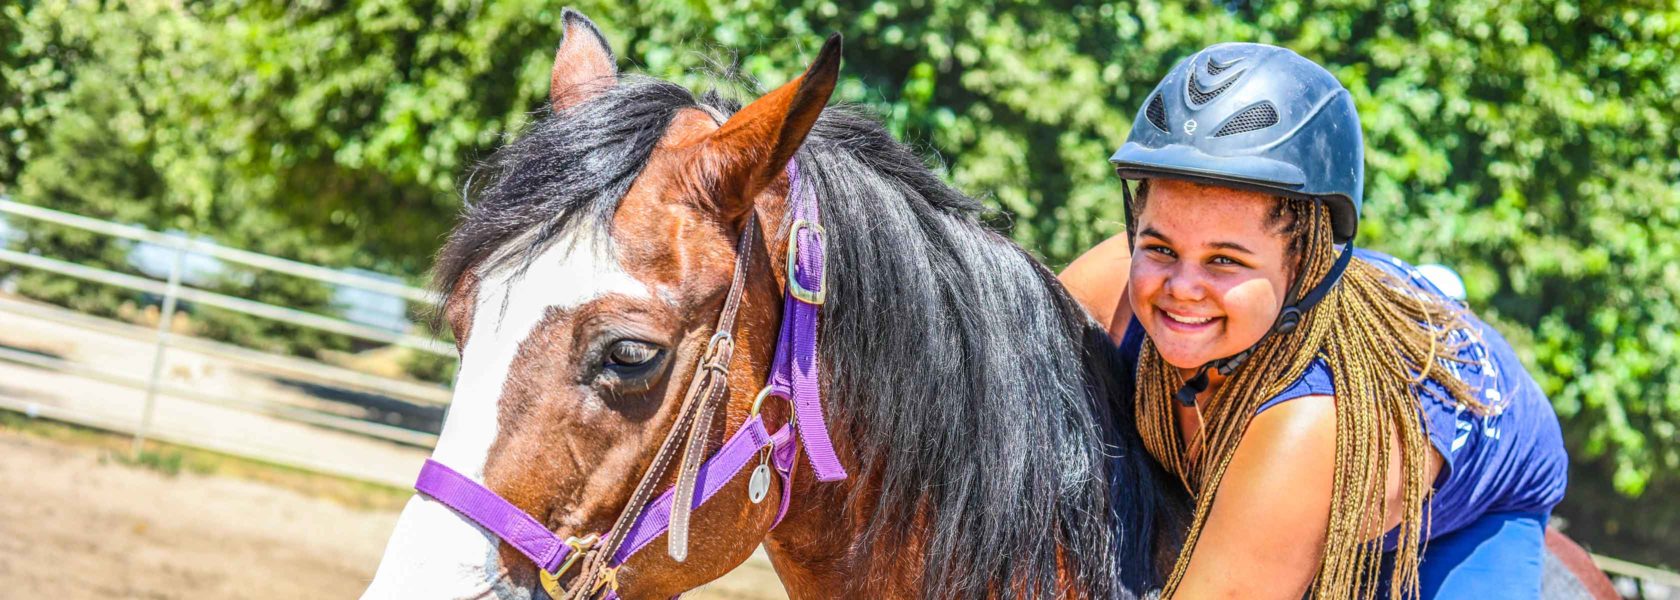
[{"x": 759, "y": 486}]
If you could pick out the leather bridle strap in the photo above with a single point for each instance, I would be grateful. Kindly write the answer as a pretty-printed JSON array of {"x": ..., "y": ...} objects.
[
  {"x": 709, "y": 384},
  {"x": 714, "y": 370}
]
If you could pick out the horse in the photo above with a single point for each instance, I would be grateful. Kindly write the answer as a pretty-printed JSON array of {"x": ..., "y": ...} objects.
[{"x": 618, "y": 292}]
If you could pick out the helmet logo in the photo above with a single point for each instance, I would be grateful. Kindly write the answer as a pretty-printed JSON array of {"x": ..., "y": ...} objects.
[{"x": 1190, "y": 126}]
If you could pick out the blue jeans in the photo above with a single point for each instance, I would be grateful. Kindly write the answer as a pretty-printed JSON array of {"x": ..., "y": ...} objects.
[{"x": 1499, "y": 555}]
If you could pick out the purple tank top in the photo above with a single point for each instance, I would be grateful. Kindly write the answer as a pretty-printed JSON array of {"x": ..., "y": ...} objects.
[{"x": 1511, "y": 460}]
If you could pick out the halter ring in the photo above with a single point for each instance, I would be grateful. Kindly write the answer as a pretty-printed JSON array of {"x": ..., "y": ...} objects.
[{"x": 758, "y": 402}]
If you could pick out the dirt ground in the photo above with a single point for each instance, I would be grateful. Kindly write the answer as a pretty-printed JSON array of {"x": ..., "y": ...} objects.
[{"x": 75, "y": 525}]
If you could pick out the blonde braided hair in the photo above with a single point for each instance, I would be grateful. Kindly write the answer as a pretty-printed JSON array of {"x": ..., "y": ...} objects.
[{"x": 1379, "y": 340}]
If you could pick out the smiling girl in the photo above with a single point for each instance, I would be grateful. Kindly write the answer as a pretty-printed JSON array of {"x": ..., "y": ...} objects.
[{"x": 1345, "y": 429}]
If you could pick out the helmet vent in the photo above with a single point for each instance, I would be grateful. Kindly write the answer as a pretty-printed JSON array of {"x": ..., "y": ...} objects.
[
  {"x": 1259, "y": 116},
  {"x": 1215, "y": 68},
  {"x": 1157, "y": 112},
  {"x": 1199, "y": 97}
]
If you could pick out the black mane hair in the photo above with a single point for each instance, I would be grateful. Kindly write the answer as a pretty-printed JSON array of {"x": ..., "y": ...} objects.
[
  {"x": 970, "y": 384},
  {"x": 565, "y": 167}
]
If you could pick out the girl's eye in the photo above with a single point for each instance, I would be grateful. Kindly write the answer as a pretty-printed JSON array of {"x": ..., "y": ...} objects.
[
  {"x": 630, "y": 354},
  {"x": 1161, "y": 250},
  {"x": 1221, "y": 260}
]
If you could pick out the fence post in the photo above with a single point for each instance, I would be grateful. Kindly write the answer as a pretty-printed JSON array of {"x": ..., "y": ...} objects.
[{"x": 165, "y": 318}]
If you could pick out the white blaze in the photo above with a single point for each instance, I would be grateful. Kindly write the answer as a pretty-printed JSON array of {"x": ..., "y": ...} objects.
[{"x": 434, "y": 552}]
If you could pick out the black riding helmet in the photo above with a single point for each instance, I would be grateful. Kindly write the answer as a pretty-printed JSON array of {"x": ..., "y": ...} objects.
[
  {"x": 1253, "y": 116},
  {"x": 1258, "y": 117}
]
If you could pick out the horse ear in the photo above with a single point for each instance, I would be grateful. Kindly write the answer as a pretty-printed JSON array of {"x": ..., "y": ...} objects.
[
  {"x": 583, "y": 66},
  {"x": 756, "y": 143}
]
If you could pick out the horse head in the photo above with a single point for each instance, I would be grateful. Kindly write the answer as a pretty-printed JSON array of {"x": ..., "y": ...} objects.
[{"x": 585, "y": 286}]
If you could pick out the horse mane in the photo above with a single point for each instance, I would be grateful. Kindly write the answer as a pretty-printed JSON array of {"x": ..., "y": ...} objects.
[
  {"x": 984, "y": 405},
  {"x": 975, "y": 387}
]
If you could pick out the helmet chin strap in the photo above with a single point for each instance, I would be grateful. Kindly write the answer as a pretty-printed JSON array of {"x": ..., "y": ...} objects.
[
  {"x": 1287, "y": 320},
  {"x": 1126, "y": 195}
]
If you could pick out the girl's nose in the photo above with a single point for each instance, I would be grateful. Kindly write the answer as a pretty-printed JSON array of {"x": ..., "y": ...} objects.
[{"x": 1185, "y": 282}]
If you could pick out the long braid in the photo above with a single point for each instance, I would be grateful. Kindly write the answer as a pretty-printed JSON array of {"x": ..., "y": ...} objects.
[{"x": 1379, "y": 340}]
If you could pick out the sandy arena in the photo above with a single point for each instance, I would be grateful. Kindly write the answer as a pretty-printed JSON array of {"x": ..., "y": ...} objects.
[{"x": 75, "y": 526}]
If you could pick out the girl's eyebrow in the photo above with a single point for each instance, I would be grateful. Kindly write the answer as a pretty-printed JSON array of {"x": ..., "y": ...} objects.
[
  {"x": 1156, "y": 233},
  {"x": 1231, "y": 246}
]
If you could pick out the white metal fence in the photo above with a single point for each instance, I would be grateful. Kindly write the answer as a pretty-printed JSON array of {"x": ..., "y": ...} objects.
[{"x": 173, "y": 291}]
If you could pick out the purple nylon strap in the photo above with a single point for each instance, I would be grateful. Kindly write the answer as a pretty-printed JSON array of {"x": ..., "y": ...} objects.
[
  {"x": 783, "y": 457},
  {"x": 722, "y": 468},
  {"x": 794, "y": 374},
  {"x": 489, "y": 510},
  {"x": 544, "y": 548}
]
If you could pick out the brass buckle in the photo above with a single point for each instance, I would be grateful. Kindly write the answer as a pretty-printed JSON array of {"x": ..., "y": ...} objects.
[
  {"x": 798, "y": 291},
  {"x": 609, "y": 580},
  {"x": 580, "y": 546}
]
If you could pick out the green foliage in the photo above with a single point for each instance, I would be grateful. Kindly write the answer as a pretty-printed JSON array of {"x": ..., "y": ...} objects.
[
  {"x": 1532, "y": 145},
  {"x": 113, "y": 114}
]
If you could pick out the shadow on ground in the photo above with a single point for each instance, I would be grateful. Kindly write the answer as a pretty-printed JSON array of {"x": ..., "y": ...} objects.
[{"x": 378, "y": 408}]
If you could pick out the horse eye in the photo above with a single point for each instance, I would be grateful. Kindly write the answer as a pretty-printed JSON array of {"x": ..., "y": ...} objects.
[{"x": 631, "y": 354}]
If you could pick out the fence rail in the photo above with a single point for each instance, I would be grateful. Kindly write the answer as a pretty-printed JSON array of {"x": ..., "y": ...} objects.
[
  {"x": 418, "y": 392},
  {"x": 234, "y": 255},
  {"x": 173, "y": 290},
  {"x": 1644, "y": 576}
]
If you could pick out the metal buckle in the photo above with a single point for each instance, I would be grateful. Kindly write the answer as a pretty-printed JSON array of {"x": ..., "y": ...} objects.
[
  {"x": 609, "y": 580},
  {"x": 715, "y": 346},
  {"x": 716, "y": 357},
  {"x": 817, "y": 297},
  {"x": 580, "y": 546}
]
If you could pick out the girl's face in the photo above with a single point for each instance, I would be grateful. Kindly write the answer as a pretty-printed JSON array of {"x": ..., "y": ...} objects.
[{"x": 1209, "y": 272}]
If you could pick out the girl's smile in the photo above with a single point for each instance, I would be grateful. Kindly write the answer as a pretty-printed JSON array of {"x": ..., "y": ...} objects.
[{"x": 1187, "y": 323}]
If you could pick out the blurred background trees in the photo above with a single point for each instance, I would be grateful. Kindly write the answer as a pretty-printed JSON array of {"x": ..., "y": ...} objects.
[{"x": 1531, "y": 145}]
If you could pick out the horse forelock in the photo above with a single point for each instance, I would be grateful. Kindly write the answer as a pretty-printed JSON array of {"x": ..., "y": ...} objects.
[{"x": 568, "y": 169}]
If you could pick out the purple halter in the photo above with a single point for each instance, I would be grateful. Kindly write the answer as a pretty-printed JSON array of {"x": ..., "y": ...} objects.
[{"x": 793, "y": 376}]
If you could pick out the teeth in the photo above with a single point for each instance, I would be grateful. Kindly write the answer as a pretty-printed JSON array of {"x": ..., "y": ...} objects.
[{"x": 1188, "y": 320}]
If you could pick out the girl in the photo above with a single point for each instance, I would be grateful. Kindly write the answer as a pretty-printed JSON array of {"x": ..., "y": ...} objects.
[{"x": 1345, "y": 429}]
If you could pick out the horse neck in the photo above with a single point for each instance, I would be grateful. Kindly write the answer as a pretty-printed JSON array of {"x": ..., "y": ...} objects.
[
  {"x": 825, "y": 542},
  {"x": 823, "y": 548}
]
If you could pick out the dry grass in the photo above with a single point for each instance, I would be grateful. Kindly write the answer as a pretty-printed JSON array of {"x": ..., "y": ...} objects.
[{"x": 172, "y": 459}]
